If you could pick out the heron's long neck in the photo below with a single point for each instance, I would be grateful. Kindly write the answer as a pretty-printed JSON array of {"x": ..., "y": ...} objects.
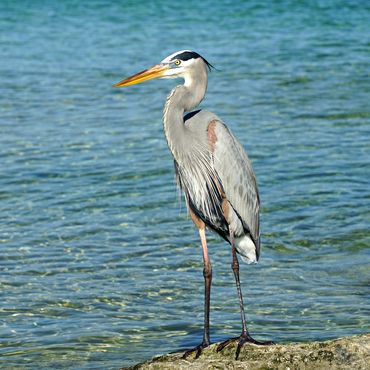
[{"x": 182, "y": 99}]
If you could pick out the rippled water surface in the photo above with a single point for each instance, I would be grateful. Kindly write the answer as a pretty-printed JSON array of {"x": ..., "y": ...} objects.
[{"x": 100, "y": 266}]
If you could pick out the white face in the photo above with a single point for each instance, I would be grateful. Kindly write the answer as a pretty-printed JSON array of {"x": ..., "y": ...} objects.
[{"x": 178, "y": 67}]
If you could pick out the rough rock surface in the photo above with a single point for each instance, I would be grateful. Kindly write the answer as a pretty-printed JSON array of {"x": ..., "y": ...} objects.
[{"x": 344, "y": 353}]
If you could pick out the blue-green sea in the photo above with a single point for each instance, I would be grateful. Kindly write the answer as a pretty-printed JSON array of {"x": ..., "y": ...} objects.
[{"x": 100, "y": 266}]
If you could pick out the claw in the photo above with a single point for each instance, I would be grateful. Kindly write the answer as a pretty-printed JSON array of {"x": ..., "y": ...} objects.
[
  {"x": 198, "y": 351},
  {"x": 221, "y": 346},
  {"x": 241, "y": 340}
]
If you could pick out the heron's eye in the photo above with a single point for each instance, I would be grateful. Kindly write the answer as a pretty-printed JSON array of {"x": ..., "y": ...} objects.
[{"x": 177, "y": 62}]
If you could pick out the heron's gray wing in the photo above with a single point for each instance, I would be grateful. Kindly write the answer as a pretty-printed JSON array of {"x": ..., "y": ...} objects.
[{"x": 234, "y": 169}]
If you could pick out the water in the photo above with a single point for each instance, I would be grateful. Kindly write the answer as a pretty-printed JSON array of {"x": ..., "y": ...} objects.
[{"x": 100, "y": 266}]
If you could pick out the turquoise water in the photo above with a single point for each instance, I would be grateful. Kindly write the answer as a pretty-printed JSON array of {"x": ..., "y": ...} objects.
[{"x": 100, "y": 267}]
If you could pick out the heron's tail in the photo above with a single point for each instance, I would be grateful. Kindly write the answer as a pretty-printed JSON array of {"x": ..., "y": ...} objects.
[{"x": 247, "y": 249}]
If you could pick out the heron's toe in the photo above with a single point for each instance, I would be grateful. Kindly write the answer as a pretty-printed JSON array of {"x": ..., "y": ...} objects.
[
  {"x": 241, "y": 340},
  {"x": 197, "y": 350}
]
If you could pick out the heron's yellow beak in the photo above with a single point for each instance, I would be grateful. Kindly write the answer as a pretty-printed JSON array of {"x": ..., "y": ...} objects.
[{"x": 154, "y": 72}]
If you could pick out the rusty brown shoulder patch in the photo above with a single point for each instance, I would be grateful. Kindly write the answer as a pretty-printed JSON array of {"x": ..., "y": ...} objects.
[{"x": 212, "y": 138}]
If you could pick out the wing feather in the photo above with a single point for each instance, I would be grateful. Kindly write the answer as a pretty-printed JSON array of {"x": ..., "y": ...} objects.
[
  {"x": 235, "y": 171},
  {"x": 214, "y": 167}
]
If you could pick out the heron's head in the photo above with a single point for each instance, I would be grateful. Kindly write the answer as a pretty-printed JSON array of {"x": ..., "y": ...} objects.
[{"x": 185, "y": 63}]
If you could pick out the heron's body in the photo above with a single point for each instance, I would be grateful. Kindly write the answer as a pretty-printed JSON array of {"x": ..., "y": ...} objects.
[
  {"x": 211, "y": 165},
  {"x": 213, "y": 171},
  {"x": 224, "y": 196}
]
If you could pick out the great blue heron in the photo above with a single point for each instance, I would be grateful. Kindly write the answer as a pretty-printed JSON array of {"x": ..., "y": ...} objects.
[{"x": 213, "y": 171}]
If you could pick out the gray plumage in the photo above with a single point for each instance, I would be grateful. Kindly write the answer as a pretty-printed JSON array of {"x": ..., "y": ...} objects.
[
  {"x": 211, "y": 164},
  {"x": 213, "y": 171}
]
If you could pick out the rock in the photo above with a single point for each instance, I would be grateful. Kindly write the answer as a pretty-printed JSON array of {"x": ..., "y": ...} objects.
[{"x": 344, "y": 353}]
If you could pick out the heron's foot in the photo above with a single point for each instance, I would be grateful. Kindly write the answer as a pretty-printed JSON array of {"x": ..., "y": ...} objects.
[
  {"x": 197, "y": 350},
  {"x": 241, "y": 340}
]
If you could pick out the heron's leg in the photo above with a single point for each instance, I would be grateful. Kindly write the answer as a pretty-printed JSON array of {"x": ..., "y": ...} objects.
[
  {"x": 207, "y": 274},
  {"x": 244, "y": 337},
  {"x": 235, "y": 268}
]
